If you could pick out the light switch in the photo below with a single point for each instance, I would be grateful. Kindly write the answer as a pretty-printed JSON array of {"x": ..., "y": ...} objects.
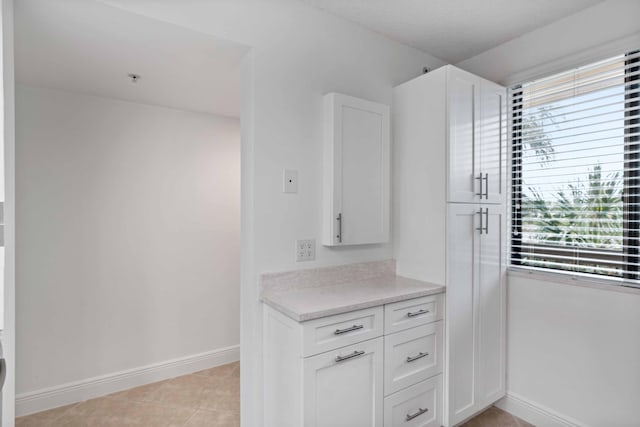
[{"x": 290, "y": 178}]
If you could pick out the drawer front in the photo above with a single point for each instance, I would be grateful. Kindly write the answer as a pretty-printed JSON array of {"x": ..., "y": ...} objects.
[
  {"x": 329, "y": 333},
  {"x": 412, "y": 356},
  {"x": 414, "y": 312},
  {"x": 417, "y": 406}
]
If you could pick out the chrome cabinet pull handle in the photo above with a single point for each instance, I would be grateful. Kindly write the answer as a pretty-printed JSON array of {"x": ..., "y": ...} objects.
[
  {"x": 480, "y": 229},
  {"x": 339, "y": 235},
  {"x": 479, "y": 178},
  {"x": 486, "y": 222},
  {"x": 417, "y": 313},
  {"x": 486, "y": 186},
  {"x": 417, "y": 414},
  {"x": 3, "y": 372},
  {"x": 344, "y": 331},
  {"x": 419, "y": 356},
  {"x": 349, "y": 356}
]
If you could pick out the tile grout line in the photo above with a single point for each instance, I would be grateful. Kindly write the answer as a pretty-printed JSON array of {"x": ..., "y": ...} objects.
[
  {"x": 186, "y": 423},
  {"x": 65, "y": 412}
]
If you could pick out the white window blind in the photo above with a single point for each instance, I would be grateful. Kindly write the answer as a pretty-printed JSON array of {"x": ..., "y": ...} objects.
[{"x": 576, "y": 170}]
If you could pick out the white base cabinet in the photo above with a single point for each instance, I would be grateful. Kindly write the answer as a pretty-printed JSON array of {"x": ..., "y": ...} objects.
[{"x": 349, "y": 370}]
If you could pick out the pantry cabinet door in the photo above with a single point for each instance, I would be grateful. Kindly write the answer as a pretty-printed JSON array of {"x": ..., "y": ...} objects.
[
  {"x": 491, "y": 308},
  {"x": 463, "y": 237},
  {"x": 463, "y": 172},
  {"x": 492, "y": 142}
]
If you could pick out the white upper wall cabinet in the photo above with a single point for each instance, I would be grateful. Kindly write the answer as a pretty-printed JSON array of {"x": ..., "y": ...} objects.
[{"x": 356, "y": 171}]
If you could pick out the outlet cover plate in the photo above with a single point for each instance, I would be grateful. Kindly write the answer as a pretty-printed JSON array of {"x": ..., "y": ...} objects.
[{"x": 305, "y": 250}]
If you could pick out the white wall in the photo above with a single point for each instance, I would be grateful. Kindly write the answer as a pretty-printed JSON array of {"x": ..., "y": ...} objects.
[
  {"x": 128, "y": 235},
  {"x": 298, "y": 54},
  {"x": 575, "y": 351},
  {"x": 572, "y": 351},
  {"x": 606, "y": 29}
]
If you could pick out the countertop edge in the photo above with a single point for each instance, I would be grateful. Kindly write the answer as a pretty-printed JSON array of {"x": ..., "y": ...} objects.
[{"x": 349, "y": 308}]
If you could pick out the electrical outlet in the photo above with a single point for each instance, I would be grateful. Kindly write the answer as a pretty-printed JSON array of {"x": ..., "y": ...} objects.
[{"x": 305, "y": 250}]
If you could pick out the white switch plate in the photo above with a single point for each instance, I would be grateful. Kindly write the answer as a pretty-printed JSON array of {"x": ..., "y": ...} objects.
[
  {"x": 305, "y": 250},
  {"x": 290, "y": 181}
]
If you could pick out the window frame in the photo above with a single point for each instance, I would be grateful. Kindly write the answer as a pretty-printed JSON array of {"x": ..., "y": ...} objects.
[
  {"x": 631, "y": 180},
  {"x": 631, "y": 199}
]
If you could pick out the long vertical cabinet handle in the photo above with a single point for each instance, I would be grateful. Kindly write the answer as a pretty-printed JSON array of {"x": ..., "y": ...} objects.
[
  {"x": 486, "y": 220},
  {"x": 339, "y": 235},
  {"x": 480, "y": 229},
  {"x": 486, "y": 186},
  {"x": 479, "y": 178}
]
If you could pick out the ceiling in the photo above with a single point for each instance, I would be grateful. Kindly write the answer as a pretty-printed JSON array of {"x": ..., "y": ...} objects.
[
  {"x": 88, "y": 47},
  {"x": 452, "y": 30}
]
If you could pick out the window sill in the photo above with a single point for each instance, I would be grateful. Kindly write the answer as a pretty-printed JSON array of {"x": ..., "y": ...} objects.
[{"x": 574, "y": 279}]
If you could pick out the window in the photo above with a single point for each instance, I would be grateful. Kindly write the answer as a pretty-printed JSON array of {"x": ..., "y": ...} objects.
[{"x": 576, "y": 170}]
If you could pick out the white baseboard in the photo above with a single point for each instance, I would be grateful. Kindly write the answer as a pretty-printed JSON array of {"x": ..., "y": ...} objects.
[
  {"x": 533, "y": 413},
  {"x": 78, "y": 391}
]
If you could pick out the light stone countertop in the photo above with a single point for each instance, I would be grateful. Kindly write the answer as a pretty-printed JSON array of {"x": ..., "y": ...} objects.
[{"x": 304, "y": 303}]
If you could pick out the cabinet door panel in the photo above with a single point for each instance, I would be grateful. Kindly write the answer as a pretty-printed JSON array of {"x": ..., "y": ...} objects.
[
  {"x": 461, "y": 323},
  {"x": 463, "y": 156},
  {"x": 492, "y": 142},
  {"x": 363, "y": 155},
  {"x": 491, "y": 309},
  {"x": 357, "y": 164},
  {"x": 345, "y": 393}
]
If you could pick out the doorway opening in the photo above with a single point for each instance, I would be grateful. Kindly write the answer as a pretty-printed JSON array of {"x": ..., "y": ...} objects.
[{"x": 128, "y": 207}]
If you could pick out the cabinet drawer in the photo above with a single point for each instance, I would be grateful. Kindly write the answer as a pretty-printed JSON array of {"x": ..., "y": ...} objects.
[
  {"x": 414, "y": 312},
  {"x": 333, "y": 332},
  {"x": 412, "y": 356},
  {"x": 417, "y": 406}
]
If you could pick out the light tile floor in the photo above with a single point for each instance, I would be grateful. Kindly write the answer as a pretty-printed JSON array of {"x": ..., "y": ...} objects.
[
  {"x": 494, "y": 417},
  {"x": 209, "y": 398}
]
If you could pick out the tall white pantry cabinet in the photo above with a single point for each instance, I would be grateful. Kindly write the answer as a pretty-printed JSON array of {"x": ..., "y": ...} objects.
[{"x": 449, "y": 210}]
